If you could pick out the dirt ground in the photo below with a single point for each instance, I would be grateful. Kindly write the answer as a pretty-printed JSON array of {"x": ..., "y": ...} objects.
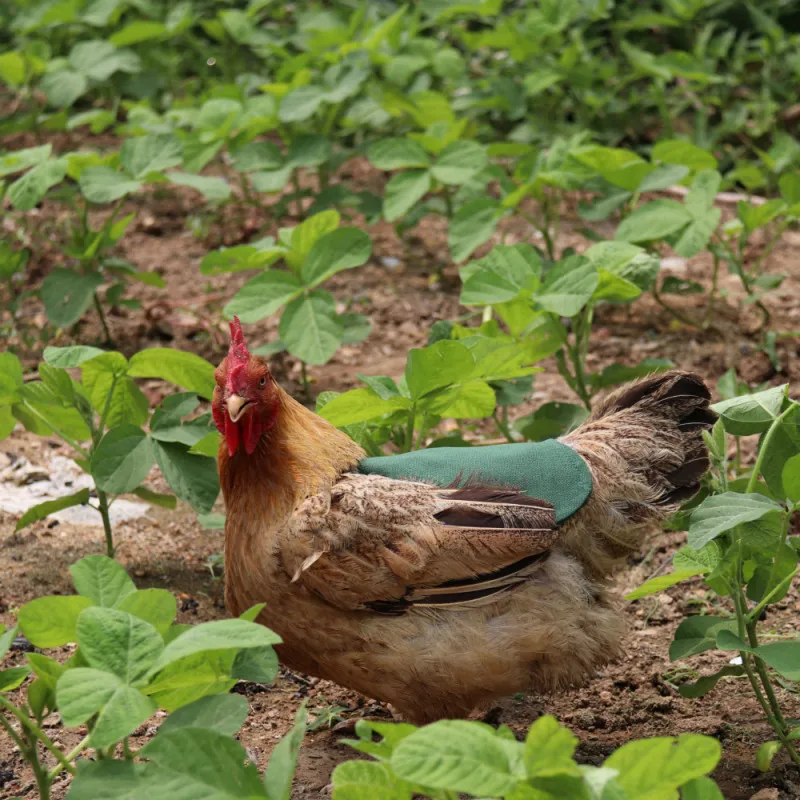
[{"x": 400, "y": 292}]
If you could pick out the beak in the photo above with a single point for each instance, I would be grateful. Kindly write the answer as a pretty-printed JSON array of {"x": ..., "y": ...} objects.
[{"x": 236, "y": 407}]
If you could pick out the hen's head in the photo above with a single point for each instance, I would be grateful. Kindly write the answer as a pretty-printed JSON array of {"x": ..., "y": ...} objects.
[{"x": 246, "y": 400}]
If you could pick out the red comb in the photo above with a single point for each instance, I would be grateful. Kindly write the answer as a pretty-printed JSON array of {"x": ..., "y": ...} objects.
[{"x": 237, "y": 352}]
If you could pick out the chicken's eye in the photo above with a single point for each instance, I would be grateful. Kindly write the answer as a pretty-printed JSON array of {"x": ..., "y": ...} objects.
[{"x": 263, "y": 382}]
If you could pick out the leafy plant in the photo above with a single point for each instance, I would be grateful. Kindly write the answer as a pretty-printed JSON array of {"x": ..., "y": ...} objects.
[
  {"x": 739, "y": 543},
  {"x": 131, "y": 659},
  {"x": 453, "y": 757},
  {"x": 101, "y": 417}
]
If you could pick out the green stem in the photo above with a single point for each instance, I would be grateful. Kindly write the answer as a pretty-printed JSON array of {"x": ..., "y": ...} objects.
[
  {"x": 102, "y": 500},
  {"x": 674, "y": 311},
  {"x": 103, "y": 321},
  {"x": 298, "y": 200},
  {"x": 767, "y": 599},
  {"x": 751, "y": 485},
  {"x": 502, "y": 425},
  {"x": 756, "y": 270},
  {"x": 412, "y": 418},
  {"x": 70, "y": 757},
  {"x": 448, "y": 201},
  {"x": 306, "y": 384}
]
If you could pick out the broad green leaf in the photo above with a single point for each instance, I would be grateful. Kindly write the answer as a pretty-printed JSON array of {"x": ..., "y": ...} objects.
[
  {"x": 105, "y": 185},
  {"x": 140, "y": 30},
  {"x": 13, "y": 69},
  {"x": 193, "y": 478},
  {"x": 186, "y": 370},
  {"x": 622, "y": 168},
  {"x": 696, "y": 235},
  {"x": 223, "y": 713},
  {"x": 308, "y": 150},
  {"x": 102, "y": 580},
  {"x": 51, "y": 621},
  {"x": 791, "y": 478},
  {"x": 112, "y": 779},
  {"x": 338, "y": 250},
  {"x": 156, "y": 606},
  {"x": 705, "y": 683},
  {"x": 459, "y": 161},
  {"x": 698, "y": 634},
  {"x": 204, "y": 764},
  {"x": 650, "y": 767},
  {"x": 13, "y": 678},
  {"x": 214, "y": 189},
  {"x": 751, "y": 413},
  {"x": 500, "y": 275},
  {"x": 367, "y": 780},
  {"x": 98, "y": 59},
  {"x": 310, "y": 328},
  {"x": 663, "y": 177},
  {"x": 26, "y": 192},
  {"x": 301, "y": 103},
  {"x": 722, "y": 512},
  {"x": 6, "y": 638},
  {"x": 81, "y": 692},
  {"x": 66, "y": 295},
  {"x": 256, "y": 156},
  {"x": 307, "y": 234},
  {"x": 142, "y": 155},
  {"x": 63, "y": 87},
  {"x": 404, "y": 191},
  {"x": 441, "y": 364},
  {"x": 124, "y": 712},
  {"x": 389, "y": 154},
  {"x": 614, "y": 289},
  {"x": 41, "y": 510},
  {"x": 455, "y": 755},
  {"x": 706, "y": 559},
  {"x": 655, "y": 585},
  {"x": 20, "y": 160},
  {"x": 765, "y": 754},
  {"x": 207, "y": 446},
  {"x": 703, "y": 192},
  {"x": 279, "y": 775},
  {"x": 258, "y": 664},
  {"x": 360, "y": 405},
  {"x": 68, "y": 357},
  {"x": 676, "y": 151},
  {"x": 568, "y": 286},
  {"x": 224, "y": 634},
  {"x": 549, "y": 749},
  {"x": 473, "y": 400},
  {"x": 122, "y": 460},
  {"x": 471, "y": 226},
  {"x": 653, "y": 221},
  {"x": 118, "y": 642},
  {"x": 264, "y": 295}
]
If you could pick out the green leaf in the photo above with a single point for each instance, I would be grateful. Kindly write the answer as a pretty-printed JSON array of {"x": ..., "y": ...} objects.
[
  {"x": 156, "y": 606},
  {"x": 783, "y": 657},
  {"x": 614, "y": 289},
  {"x": 551, "y": 420},
  {"x": 12, "y": 678},
  {"x": 193, "y": 478},
  {"x": 650, "y": 768},
  {"x": 751, "y": 413},
  {"x": 26, "y": 192},
  {"x": 622, "y": 168},
  {"x": 214, "y": 189},
  {"x": 367, "y": 780},
  {"x": 223, "y": 713},
  {"x": 6, "y": 638},
  {"x": 549, "y": 749},
  {"x": 403, "y": 191},
  {"x": 186, "y": 370},
  {"x": 389, "y": 154},
  {"x": 766, "y": 753},
  {"x": 98, "y": 59},
  {"x": 655, "y": 585},
  {"x": 615, "y": 373},
  {"x": 279, "y": 775},
  {"x": 140, "y": 30},
  {"x": 300, "y": 104},
  {"x": 12, "y": 69},
  {"x": 63, "y": 87},
  {"x": 105, "y": 185},
  {"x": 704, "y": 684},
  {"x": 695, "y": 237},
  {"x": 459, "y": 161},
  {"x": 455, "y": 755},
  {"x": 310, "y": 328},
  {"x": 68, "y": 357},
  {"x": 360, "y": 405},
  {"x": 652, "y": 221},
  {"x": 627, "y": 261},
  {"x": 51, "y": 621},
  {"x": 472, "y": 225},
  {"x": 703, "y": 193},
  {"x": 118, "y": 642},
  {"x": 705, "y": 560},
  {"x": 41, "y": 510},
  {"x": 698, "y": 634},
  {"x": 122, "y": 459},
  {"x": 20, "y": 160},
  {"x": 303, "y": 238},
  {"x": 224, "y": 634},
  {"x": 441, "y": 364},
  {"x": 568, "y": 286},
  {"x": 142, "y": 155},
  {"x": 308, "y": 151},
  {"x": 675, "y": 151},
  {"x": 124, "y": 712},
  {"x": 204, "y": 764},
  {"x": 81, "y": 692},
  {"x": 500, "y": 275},
  {"x": 256, "y": 156},
  {"x": 102, "y": 580},
  {"x": 264, "y": 295},
  {"x": 722, "y": 512},
  {"x": 338, "y": 250},
  {"x": 791, "y": 478},
  {"x": 66, "y": 295}
]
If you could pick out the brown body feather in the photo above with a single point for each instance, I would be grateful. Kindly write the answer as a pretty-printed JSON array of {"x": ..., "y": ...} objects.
[{"x": 439, "y": 600}]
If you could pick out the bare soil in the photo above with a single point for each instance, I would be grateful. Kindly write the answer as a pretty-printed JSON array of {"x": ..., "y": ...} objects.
[{"x": 405, "y": 288}]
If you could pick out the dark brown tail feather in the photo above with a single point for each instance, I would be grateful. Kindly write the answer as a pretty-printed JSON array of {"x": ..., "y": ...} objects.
[{"x": 678, "y": 402}]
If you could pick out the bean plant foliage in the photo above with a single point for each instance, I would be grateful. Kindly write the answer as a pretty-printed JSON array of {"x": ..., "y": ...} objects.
[{"x": 740, "y": 545}]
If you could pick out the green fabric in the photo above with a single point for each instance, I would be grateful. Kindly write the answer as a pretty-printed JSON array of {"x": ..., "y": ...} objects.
[{"x": 546, "y": 470}]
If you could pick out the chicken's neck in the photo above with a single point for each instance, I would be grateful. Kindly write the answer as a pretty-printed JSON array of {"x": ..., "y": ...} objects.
[{"x": 299, "y": 456}]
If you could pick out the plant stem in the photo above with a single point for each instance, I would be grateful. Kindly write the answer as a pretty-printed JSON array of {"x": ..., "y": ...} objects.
[
  {"x": 448, "y": 201},
  {"x": 751, "y": 485},
  {"x": 298, "y": 200},
  {"x": 713, "y": 295},
  {"x": 502, "y": 424},
  {"x": 306, "y": 384},
  {"x": 412, "y": 418},
  {"x": 103, "y": 321},
  {"x": 675, "y": 313},
  {"x": 102, "y": 500},
  {"x": 70, "y": 757}
]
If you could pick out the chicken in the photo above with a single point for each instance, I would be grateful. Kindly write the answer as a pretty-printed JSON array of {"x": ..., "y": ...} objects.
[{"x": 437, "y": 599}]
